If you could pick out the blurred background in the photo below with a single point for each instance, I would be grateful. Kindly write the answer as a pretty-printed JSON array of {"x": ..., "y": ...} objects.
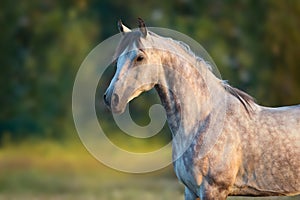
[{"x": 255, "y": 45}]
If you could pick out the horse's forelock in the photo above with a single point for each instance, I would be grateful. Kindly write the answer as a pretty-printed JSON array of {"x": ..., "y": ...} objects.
[{"x": 127, "y": 41}]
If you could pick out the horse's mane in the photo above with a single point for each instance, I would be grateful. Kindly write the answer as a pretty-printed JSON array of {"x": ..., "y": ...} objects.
[
  {"x": 188, "y": 50},
  {"x": 243, "y": 97}
]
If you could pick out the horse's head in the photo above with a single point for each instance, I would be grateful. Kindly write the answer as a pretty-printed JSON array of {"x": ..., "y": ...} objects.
[{"x": 137, "y": 67}]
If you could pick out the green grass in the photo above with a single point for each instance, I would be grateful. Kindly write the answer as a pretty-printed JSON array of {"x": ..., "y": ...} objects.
[{"x": 52, "y": 170}]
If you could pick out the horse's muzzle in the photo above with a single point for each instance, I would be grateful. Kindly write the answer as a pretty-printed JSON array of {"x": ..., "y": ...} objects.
[{"x": 111, "y": 101}]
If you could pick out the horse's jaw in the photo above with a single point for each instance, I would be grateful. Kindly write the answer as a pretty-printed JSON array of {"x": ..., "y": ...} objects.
[
  {"x": 140, "y": 90},
  {"x": 119, "y": 102}
]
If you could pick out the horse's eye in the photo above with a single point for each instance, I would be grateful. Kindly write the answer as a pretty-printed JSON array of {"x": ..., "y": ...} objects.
[{"x": 140, "y": 58}]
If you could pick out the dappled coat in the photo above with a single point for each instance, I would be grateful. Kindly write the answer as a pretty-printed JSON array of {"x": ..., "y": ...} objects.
[{"x": 223, "y": 142}]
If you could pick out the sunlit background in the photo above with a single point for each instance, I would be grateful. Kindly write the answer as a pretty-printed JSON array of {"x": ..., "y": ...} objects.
[{"x": 255, "y": 45}]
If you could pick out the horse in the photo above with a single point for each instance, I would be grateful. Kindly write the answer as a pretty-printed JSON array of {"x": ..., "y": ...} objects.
[{"x": 256, "y": 150}]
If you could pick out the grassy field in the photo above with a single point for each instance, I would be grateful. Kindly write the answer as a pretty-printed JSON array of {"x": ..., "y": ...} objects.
[{"x": 51, "y": 170}]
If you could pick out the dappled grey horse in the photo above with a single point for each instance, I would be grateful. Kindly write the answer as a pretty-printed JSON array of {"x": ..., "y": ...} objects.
[{"x": 252, "y": 150}]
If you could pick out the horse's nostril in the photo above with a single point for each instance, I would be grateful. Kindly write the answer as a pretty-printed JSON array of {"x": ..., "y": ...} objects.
[
  {"x": 105, "y": 100},
  {"x": 115, "y": 99}
]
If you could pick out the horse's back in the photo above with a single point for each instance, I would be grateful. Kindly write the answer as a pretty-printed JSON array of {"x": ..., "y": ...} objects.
[
  {"x": 282, "y": 122},
  {"x": 272, "y": 151}
]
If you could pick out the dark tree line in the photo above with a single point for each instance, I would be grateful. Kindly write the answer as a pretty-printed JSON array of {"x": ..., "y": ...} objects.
[{"x": 255, "y": 45}]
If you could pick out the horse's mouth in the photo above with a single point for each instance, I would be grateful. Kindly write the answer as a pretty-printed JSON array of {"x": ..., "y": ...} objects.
[
  {"x": 118, "y": 110},
  {"x": 113, "y": 104}
]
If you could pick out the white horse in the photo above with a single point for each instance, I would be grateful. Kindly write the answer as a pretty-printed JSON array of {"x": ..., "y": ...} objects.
[{"x": 257, "y": 152}]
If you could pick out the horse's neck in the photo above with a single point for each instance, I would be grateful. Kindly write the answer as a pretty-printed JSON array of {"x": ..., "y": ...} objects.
[{"x": 186, "y": 93}]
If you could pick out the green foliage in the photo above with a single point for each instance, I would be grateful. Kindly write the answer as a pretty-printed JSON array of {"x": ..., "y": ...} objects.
[
  {"x": 43, "y": 45},
  {"x": 255, "y": 45}
]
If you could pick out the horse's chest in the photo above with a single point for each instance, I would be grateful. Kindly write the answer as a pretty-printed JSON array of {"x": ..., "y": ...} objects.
[{"x": 184, "y": 169}]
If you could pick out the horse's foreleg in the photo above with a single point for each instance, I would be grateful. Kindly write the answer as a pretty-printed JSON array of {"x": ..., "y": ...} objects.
[
  {"x": 189, "y": 195},
  {"x": 213, "y": 191}
]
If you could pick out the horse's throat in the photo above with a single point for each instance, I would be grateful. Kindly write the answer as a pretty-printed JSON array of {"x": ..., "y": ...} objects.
[{"x": 184, "y": 109}]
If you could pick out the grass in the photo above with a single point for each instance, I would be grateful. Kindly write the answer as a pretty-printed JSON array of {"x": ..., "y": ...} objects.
[{"x": 52, "y": 170}]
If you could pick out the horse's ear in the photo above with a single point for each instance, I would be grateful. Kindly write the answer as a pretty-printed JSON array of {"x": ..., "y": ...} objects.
[
  {"x": 122, "y": 28},
  {"x": 142, "y": 27}
]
